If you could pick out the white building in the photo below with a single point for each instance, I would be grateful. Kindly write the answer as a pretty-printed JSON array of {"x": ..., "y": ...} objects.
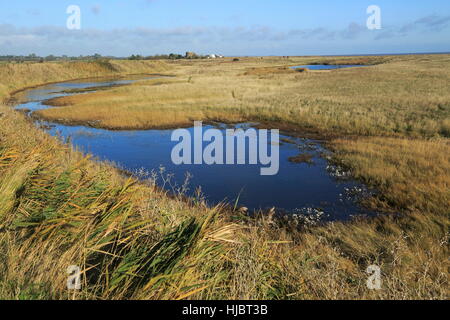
[{"x": 215, "y": 56}]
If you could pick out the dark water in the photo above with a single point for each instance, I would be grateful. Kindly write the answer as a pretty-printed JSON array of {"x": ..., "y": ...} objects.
[
  {"x": 328, "y": 67},
  {"x": 301, "y": 188}
]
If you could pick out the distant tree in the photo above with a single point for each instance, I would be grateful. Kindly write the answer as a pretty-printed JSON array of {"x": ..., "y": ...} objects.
[
  {"x": 175, "y": 56},
  {"x": 135, "y": 57}
]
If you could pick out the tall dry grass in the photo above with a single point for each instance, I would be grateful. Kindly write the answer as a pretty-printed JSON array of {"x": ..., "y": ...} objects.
[
  {"x": 19, "y": 76},
  {"x": 59, "y": 208},
  {"x": 403, "y": 96}
]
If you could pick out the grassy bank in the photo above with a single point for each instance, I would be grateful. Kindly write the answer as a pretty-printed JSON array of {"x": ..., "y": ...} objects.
[
  {"x": 19, "y": 76},
  {"x": 60, "y": 208}
]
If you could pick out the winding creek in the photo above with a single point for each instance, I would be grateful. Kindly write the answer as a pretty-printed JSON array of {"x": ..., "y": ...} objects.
[{"x": 308, "y": 186}]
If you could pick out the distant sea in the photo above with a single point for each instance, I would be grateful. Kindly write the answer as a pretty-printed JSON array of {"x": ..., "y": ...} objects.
[
  {"x": 352, "y": 55},
  {"x": 381, "y": 54}
]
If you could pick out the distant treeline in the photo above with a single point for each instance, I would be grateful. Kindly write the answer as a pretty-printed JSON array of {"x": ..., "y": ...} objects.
[
  {"x": 172, "y": 56},
  {"x": 35, "y": 58}
]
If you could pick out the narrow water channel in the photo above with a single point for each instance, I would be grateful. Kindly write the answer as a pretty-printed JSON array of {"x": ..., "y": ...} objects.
[
  {"x": 328, "y": 66},
  {"x": 305, "y": 184}
]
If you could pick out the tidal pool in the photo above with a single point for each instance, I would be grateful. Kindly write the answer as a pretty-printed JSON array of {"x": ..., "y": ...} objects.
[
  {"x": 306, "y": 183},
  {"x": 328, "y": 67}
]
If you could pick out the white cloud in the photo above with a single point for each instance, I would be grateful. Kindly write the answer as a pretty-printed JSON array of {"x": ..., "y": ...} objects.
[{"x": 230, "y": 41}]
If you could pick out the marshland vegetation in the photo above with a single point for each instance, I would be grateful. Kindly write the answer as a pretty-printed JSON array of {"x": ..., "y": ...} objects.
[
  {"x": 402, "y": 96},
  {"x": 388, "y": 123}
]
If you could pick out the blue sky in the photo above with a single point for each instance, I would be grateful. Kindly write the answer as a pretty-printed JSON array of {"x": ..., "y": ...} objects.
[{"x": 231, "y": 27}]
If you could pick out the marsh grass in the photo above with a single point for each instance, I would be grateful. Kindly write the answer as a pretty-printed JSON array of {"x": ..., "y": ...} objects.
[
  {"x": 402, "y": 96},
  {"x": 19, "y": 76},
  {"x": 132, "y": 241}
]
